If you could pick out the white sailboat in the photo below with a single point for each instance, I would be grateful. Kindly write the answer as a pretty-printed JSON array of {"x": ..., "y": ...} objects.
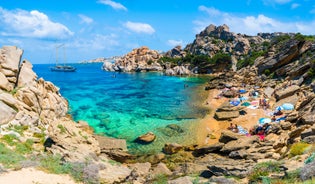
[{"x": 59, "y": 67}]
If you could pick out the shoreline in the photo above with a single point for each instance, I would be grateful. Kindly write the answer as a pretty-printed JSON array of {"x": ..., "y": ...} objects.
[{"x": 209, "y": 129}]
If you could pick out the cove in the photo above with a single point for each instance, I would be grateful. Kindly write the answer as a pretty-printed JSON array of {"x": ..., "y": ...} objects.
[{"x": 127, "y": 105}]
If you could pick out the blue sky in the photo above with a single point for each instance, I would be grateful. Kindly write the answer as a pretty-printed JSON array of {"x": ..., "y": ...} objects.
[{"x": 104, "y": 28}]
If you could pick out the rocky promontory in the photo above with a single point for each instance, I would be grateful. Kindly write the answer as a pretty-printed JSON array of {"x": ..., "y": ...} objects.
[{"x": 140, "y": 59}]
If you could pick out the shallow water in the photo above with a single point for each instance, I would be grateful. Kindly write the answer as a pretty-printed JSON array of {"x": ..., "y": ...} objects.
[{"x": 127, "y": 105}]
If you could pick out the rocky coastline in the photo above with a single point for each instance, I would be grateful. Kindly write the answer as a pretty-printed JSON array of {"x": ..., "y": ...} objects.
[{"x": 278, "y": 68}]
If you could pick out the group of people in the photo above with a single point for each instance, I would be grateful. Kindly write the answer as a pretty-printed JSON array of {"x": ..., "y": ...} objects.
[
  {"x": 263, "y": 103},
  {"x": 233, "y": 128},
  {"x": 261, "y": 130}
]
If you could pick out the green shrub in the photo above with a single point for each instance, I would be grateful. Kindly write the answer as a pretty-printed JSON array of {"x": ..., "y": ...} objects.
[
  {"x": 262, "y": 170},
  {"x": 298, "y": 149},
  {"x": 160, "y": 179},
  {"x": 61, "y": 128},
  {"x": 9, "y": 158},
  {"x": 10, "y": 139},
  {"x": 24, "y": 148},
  {"x": 53, "y": 164},
  {"x": 267, "y": 72},
  {"x": 20, "y": 129}
]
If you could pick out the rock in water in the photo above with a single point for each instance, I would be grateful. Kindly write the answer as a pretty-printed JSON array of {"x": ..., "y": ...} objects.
[{"x": 146, "y": 138}]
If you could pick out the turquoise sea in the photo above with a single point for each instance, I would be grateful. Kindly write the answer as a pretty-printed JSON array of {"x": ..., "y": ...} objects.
[{"x": 127, "y": 105}]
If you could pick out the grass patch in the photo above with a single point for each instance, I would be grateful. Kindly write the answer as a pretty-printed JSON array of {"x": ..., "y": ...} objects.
[
  {"x": 62, "y": 128},
  {"x": 262, "y": 170},
  {"x": 24, "y": 148},
  {"x": 10, "y": 139},
  {"x": 160, "y": 179},
  {"x": 298, "y": 149},
  {"x": 81, "y": 172},
  {"x": 41, "y": 136},
  {"x": 9, "y": 158}
]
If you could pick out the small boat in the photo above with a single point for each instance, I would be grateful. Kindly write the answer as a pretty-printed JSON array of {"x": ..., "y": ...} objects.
[{"x": 62, "y": 68}]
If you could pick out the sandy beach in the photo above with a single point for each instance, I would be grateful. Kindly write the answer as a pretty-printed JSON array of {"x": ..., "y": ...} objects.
[
  {"x": 34, "y": 176},
  {"x": 210, "y": 129}
]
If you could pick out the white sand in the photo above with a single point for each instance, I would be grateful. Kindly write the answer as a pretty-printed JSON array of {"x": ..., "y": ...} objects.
[{"x": 34, "y": 176}]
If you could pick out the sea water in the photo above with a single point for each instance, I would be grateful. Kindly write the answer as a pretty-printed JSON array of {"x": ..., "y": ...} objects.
[{"x": 127, "y": 105}]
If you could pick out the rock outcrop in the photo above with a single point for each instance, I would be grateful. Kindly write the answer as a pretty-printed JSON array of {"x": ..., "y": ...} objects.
[{"x": 140, "y": 59}]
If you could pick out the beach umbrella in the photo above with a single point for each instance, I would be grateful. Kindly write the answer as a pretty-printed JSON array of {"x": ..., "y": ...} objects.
[
  {"x": 264, "y": 120},
  {"x": 279, "y": 108},
  {"x": 287, "y": 106}
]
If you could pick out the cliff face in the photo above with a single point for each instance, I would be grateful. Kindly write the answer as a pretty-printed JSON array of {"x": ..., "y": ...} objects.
[
  {"x": 36, "y": 104},
  {"x": 25, "y": 97}
]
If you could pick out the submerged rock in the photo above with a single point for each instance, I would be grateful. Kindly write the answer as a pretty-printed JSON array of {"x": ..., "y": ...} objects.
[{"x": 146, "y": 138}]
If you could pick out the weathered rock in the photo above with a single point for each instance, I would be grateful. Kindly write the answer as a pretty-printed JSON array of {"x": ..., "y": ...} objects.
[
  {"x": 209, "y": 149},
  {"x": 227, "y": 136},
  {"x": 226, "y": 115},
  {"x": 296, "y": 132},
  {"x": 285, "y": 125},
  {"x": 4, "y": 83},
  {"x": 108, "y": 66},
  {"x": 27, "y": 76},
  {"x": 139, "y": 59},
  {"x": 171, "y": 148},
  {"x": 161, "y": 168},
  {"x": 241, "y": 143},
  {"x": 67, "y": 138},
  {"x": 289, "y": 91},
  {"x": 146, "y": 138},
  {"x": 6, "y": 113},
  {"x": 309, "y": 139},
  {"x": 181, "y": 180},
  {"x": 308, "y": 171}
]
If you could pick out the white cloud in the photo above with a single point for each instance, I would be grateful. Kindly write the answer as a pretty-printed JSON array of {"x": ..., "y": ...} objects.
[
  {"x": 33, "y": 24},
  {"x": 97, "y": 42},
  {"x": 175, "y": 43},
  {"x": 139, "y": 27},
  {"x": 250, "y": 24},
  {"x": 85, "y": 19},
  {"x": 113, "y": 4},
  {"x": 295, "y": 5}
]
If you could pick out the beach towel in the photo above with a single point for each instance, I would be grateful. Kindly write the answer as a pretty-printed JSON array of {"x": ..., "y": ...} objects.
[
  {"x": 280, "y": 119},
  {"x": 241, "y": 130},
  {"x": 242, "y": 91},
  {"x": 235, "y": 103},
  {"x": 243, "y": 98},
  {"x": 252, "y": 107},
  {"x": 246, "y": 104}
]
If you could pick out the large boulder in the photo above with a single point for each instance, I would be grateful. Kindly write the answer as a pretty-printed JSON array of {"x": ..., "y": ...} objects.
[
  {"x": 108, "y": 66},
  {"x": 226, "y": 115},
  {"x": 27, "y": 76},
  {"x": 284, "y": 93},
  {"x": 6, "y": 113},
  {"x": 171, "y": 148},
  {"x": 70, "y": 141}
]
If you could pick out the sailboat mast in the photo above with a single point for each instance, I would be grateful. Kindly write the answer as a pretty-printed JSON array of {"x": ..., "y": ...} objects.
[{"x": 57, "y": 47}]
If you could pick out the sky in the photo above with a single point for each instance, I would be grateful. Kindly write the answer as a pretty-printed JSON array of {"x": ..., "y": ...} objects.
[{"x": 88, "y": 29}]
